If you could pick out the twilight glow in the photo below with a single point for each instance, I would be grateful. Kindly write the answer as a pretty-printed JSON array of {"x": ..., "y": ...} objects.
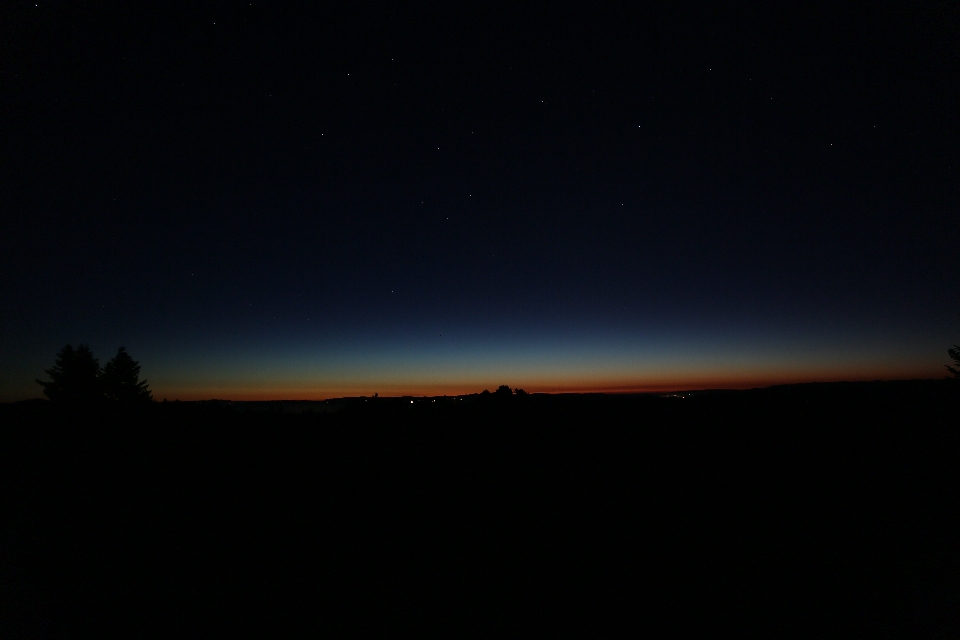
[{"x": 398, "y": 203}]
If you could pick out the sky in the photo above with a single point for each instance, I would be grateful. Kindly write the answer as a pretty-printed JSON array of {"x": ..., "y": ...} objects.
[{"x": 272, "y": 200}]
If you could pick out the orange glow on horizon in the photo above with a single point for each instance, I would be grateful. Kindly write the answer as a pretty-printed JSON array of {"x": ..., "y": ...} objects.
[{"x": 326, "y": 392}]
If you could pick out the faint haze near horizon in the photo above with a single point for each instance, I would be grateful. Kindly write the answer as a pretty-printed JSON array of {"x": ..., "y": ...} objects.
[
  {"x": 301, "y": 369},
  {"x": 339, "y": 199}
]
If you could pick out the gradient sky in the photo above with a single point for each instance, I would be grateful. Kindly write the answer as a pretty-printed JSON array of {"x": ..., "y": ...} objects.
[{"x": 266, "y": 201}]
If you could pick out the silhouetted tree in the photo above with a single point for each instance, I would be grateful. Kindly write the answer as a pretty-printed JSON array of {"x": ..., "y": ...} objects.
[
  {"x": 955, "y": 356},
  {"x": 503, "y": 391},
  {"x": 75, "y": 377},
  {"x": 121, "y": 380},
  {"x": 520, "y": 392}
]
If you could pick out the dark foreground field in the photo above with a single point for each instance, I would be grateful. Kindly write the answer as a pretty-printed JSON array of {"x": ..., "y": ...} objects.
[{"x": 808, "y": 511}]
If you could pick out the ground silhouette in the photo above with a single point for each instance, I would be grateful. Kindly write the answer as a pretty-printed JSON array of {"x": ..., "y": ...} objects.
[{"x": 794, "y": 511}]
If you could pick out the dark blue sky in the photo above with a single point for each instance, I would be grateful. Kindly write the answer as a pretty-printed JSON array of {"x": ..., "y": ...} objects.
[{"x": 267, "y": 201}]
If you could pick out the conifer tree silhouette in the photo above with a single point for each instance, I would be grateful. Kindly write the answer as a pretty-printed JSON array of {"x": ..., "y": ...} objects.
[
  {"x": 121, "y": 380},
  {"x": 75, "y": 377},
  {"x": 955, "y": 355}
]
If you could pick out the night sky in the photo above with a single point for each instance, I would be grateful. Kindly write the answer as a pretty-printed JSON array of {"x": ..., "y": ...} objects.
[{"x": 278, "y": 201}]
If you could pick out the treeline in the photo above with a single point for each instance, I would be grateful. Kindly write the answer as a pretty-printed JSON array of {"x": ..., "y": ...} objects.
[{"x": 78, "y": 378}]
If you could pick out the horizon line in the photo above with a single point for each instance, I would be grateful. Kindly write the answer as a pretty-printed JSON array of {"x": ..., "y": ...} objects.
[{"x": 600, "y": 390}]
